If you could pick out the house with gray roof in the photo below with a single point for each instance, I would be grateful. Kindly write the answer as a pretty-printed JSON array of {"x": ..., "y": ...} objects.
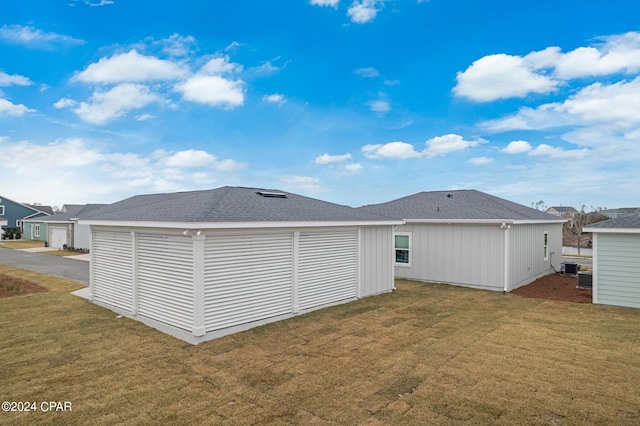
[
  {"x": 13, "y": 213},
  {"x": 616, "y": 269},
  {"x": 202, "y": 264},
  {"x": 472, "y": 239},
  {"x": 62, "y": 229}
]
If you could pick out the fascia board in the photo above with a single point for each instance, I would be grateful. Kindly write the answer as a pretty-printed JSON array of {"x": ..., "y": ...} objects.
[
  {"x": 613, "y": 230},
  {"x": 232, "y": 225}
]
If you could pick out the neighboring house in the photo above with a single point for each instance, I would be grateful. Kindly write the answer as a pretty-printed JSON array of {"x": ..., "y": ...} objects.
[
  {"x": 565, "y": 213},
  {"x": 616, "y": 213},
  {"x": 202, "y": 264},
  {"x": 14, "y": 213},
  {"x": 616, "y": 266},
  {"x": 472, "y": 239},
  {"x": 62, "y": 229}
]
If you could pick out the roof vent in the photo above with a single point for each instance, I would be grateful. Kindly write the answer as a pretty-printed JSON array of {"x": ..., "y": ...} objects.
[
  {"x": 449, "y": 195},
  {"x": 269, "y": 194}
]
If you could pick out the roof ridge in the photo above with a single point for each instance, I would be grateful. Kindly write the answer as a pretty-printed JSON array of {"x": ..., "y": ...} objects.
[{"x": 215, "y": 204}]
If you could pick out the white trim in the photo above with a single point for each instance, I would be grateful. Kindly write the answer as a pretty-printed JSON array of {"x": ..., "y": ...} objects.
[
  {"x": 295, "y": 297},
  {"x": 594, "y": 272},
  {"x": 36, "y": 231},
  {"x": 1, "y": 210},
  {"x": 545, "y": 245},
  {"x": 198, "y": 328},
  {"x": 236, "y": 225},
  {"x": 613, "y": 230},
  {"x": 507, "y": 257},
  {"x": 407, "y": 234}
]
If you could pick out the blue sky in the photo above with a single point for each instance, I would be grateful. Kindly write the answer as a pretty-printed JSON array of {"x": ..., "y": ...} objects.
[{"x": 354, "y": 102}]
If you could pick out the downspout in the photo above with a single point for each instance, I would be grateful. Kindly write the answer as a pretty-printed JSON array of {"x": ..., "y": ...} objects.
[{"x": 507, "y": 252}]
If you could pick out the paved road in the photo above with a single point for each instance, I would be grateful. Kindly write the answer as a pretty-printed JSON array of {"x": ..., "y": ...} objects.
[{"x": 75, "y": 270}]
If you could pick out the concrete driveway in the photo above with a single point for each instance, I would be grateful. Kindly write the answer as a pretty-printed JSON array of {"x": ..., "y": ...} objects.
[{"x": 75, "y": 270}]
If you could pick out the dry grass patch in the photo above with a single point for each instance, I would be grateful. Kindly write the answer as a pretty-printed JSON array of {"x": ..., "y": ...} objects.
[
  {"x": 65, "y": 253},
  {"x": 21, "y": 244},
  {"x": 425, "y": 354}
]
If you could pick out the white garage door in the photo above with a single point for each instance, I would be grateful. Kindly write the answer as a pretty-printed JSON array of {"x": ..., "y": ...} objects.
[{"x": 58, "y": 237}]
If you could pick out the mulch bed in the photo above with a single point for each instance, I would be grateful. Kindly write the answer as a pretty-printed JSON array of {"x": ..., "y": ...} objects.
[
  {"x": 11, "y": 286},
  {"x": 556, "y": 287}
]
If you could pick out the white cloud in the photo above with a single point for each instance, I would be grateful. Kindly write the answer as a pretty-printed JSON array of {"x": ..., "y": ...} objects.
[
  {"x": 14, "y": 110},
  {"x": 439, "y": 145},
  {"x": 145, "y": 117},
  {"x": 220, "y": 65},
  {"x": 275, "y": 98},
  {"x": 379, "y": 106},
  {"x": 517, "y": 147},
  {"x": 130, "y": 67},
  {"x": 363, "y": 11},
  {"x": 79, "y": 171},
  {"x": 557, "y": 152},
  {"x": 332, "y": 3},
  {"x": 99, "y": 3},
  {"x": 330, "y": 159},
  {"x": 367, "y": 72},
  {"x": 34, "y": 38},
  {"x": 501, "y": 76},
  {"x": 481, "y": 161},
  {"x": 615, "y": 105},
  {"x": 14, "y": 80},
  {"x": 213, "y": 90},
  {"x": 176, "y": 45},
  {"x": 64, "y": 103},
  {"x": 116, "y": 102},
  {"x": 397, "y": 150}
]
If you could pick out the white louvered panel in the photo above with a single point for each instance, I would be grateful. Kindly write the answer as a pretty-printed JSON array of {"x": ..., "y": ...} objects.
[
  {"x": 113, "y": 269},
  {"x": 327, "y": 268},
  {"x": 165, "y": 279},
  {"x": 247, "y": 278}
]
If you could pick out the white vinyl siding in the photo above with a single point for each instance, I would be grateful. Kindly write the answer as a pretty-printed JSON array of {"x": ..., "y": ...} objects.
[
  {"x": 327, "y": 268},
  {"x": 81, "y": 237},
  {"x": 376, "y": 255},
  {"x": 618, "y": 269},
  {"x": 247, "y": 278},
  {"x": 165, "y": 279},
  {"x": 112, "y": 265},
  {"x": 527, "y": 249}
]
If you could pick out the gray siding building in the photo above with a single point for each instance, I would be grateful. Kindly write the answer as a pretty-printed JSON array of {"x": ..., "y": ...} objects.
[
  {"x": 616, "y": 261},
  {"x": 472, "y": 239}
]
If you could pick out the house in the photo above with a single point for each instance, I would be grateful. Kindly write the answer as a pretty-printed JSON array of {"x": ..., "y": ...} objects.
[
  {"x": 472, "y": 239},
  {"x": 615, "y": 213},
  {"x": 616, "y": 270},
  {"x": 61, "y": 229},
  {"x": 202, "y": 264},
  {"x": 14, "y": 213},
  {"x": 565, "y": 213}
]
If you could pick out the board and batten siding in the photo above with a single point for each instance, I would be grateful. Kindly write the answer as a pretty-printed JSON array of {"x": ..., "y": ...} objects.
[
  {"x": 527, "y": 261},
  {"x": 617, "y": 269},
  {"x": 247, "y": 277},
  {"x": 376, "y": 260},
  {"x": 460, "y": 254},
  {"x": 81, "y": 236}
]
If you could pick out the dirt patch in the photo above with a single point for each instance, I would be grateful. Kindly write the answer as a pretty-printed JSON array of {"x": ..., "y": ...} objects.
[
  {"x": 12, "y": 286},
  {"x": 556, "y": 287}
]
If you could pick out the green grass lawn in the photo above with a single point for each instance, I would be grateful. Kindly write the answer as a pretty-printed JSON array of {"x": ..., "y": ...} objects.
[{"x": 425, "y": 354}]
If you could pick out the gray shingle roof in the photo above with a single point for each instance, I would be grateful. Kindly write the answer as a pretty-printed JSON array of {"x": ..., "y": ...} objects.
[
  {"x": 457, "y": 205},
  {"x": 626, "y": 221},
  {"x": 229, "y": 204},
  {"x": 75, "y": 212}
]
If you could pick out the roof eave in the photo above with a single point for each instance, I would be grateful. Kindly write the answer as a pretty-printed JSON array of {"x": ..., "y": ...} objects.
[
  {"x": 484, "y": 221},
  {"x": 232, "y": 225},
  {"x": 613, "y": 230}
]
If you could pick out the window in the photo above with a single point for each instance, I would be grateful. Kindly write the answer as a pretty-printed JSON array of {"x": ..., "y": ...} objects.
[
  {"x": 1, "y": 210},
  {"x": 36, "y": 231},
  {"x": 546, "y": 245},
  {"x": 402, "y": 249}
]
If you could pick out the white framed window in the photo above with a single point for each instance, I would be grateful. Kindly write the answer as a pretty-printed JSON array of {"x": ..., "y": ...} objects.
[
  {"x": 402, "y": 249},
  {"x": 36, "y": 230},
  {"x": 546, "y": 245},
  {"x": 18, "y": 224},
  {"x": 1, "y": 210}
]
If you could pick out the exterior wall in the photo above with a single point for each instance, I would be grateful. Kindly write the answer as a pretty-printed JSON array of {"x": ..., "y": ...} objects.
[
  {"x": 616, "y": 269},
  {"x": 527, "y": 262},
  {"x": 460, "y": 254},
  {"x": 14, "y": 211},
  {"x": 205, "y": 286},
  {"x": 29, "y": 233},
  {"x": 81, "y": 236},
  {"x": 376, "y": 260}
]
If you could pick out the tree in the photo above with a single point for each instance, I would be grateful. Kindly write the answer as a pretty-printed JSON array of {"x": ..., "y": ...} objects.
[
  {"x": 540, "y": 205},
  {"x": 581, "y": 220}
]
